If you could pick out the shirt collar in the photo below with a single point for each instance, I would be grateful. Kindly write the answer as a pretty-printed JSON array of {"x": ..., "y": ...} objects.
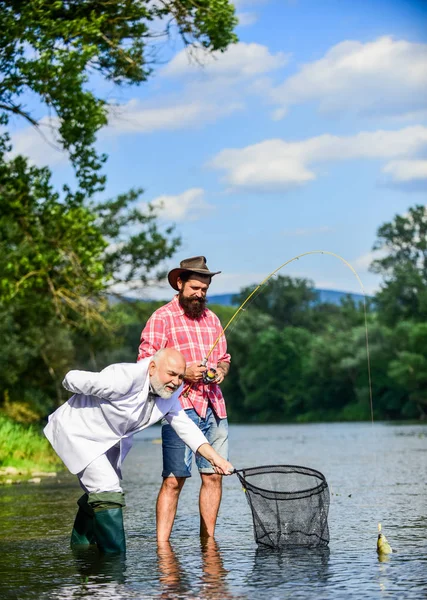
[{"x": 177, "y": 307}]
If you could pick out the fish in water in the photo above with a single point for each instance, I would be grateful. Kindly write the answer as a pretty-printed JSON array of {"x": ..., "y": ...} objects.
[{"x": 383, "y": 547}]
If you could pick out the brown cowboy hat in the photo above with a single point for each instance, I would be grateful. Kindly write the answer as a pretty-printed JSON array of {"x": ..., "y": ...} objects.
[{"x": 196, "y": 264}]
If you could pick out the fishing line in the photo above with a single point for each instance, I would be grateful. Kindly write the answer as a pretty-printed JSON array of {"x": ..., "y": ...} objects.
[{"x": 260, "y": 287}]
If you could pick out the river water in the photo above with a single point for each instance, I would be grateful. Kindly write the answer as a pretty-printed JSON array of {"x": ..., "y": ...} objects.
[{"x": 376, "y": 473}]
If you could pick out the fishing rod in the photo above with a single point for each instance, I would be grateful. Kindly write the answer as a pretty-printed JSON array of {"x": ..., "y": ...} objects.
[{"x": 210, "y": 375}]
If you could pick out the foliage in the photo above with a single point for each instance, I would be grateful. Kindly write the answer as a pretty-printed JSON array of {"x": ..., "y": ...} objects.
[
  {"x": 409, "y": 367},
  {"x": 51, "y": 50},
  {"x": 404, "y": 267},
  {"x": 61, "y": 253},
  {"x": 119, "y": 343},
  {"x": 56, "y": 266},
  {"x": 272, "y": 387},
  {"x": 312, "y": 372},
  {"x": 24, "y": 448}
]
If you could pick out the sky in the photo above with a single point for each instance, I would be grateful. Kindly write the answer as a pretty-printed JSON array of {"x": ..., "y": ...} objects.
[{"x": 307, "y": 135}]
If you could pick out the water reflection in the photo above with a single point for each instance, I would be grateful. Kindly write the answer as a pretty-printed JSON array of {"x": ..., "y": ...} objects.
[
  {"x": 95, "y": 567},
  {"x": 99, "y": 576},
  {"x": 275, "y": 567},
  {"x": 176, "y": 583},
  {"x": 172, "y": 577},
  {"x": 214, "y": 573}
]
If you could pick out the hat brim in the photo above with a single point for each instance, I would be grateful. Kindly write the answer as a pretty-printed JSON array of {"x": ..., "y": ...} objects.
[{"x": 175, "y": 273}]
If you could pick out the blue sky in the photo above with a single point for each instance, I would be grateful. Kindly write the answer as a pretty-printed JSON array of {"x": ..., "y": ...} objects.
[{"x": 307, "y": 135}]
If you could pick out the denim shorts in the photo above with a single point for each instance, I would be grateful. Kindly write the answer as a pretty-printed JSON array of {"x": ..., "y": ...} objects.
[{"x": 178, "y": 458}]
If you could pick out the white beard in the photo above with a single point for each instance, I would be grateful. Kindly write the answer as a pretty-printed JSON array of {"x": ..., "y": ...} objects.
[{"x": 161, "y": 390}]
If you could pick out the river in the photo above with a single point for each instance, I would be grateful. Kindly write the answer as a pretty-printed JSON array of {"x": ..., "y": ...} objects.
[{"x": 376, "y": 473}]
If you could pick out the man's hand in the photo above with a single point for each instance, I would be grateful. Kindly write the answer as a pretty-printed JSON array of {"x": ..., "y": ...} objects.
[
  {"x": 219, "y": 378},
  {"x": 221, "y": 372},
  {"x": 221, "y": 466},
  {"x": 194, "y": 372}
]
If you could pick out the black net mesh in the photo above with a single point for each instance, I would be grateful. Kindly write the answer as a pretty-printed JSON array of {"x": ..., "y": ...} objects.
[{"x": 289, "y": 505}]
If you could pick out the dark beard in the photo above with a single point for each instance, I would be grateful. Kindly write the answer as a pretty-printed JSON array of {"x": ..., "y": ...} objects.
[{"x": 192, "y": 307}]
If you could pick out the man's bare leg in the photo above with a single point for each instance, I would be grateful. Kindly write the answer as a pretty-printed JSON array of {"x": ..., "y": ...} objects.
[
  {"x": 209, "y": 501},
  {"x": 167, "y": 503}
]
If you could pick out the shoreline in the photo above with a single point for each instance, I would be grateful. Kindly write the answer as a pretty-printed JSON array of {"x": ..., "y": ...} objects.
[{"x": 15, "y": 476}]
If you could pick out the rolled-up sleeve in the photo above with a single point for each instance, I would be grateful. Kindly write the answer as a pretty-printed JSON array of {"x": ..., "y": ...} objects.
[{"x": 185, "y": 428}]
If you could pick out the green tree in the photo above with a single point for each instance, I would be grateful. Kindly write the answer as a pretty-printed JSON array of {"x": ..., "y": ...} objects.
[
  {"x": 403, "y": 294},
  {"x": 408, "y": 370},
  {"x": 100, "y": 346},
  {"x": 272, "y": 377},
  {"x": 56, "y": 267},
  {"x": 50, "y": 49},
  {"x": 241, "y": 336},
  {"x": 328, "y": 379},
  {"x": 60, "y": 253}
]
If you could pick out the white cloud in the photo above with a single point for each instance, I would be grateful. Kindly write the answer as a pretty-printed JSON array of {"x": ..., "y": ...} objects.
[
  {"x": 385, "y": 76},
  {"x": 207, "y": 94},
  {"x": 406, "y": 170},
  {"x": 363, "y": 262},
  {"x": 189, "y": 206},
  {"x": 247, "y": 18},
  {"x": 241, "y": 60},
  {"x": 40, "y": 144},
  {"x": 137, "y": 117},
  {"x": 232, "y": 283},
  {"x": 276, "y": 165}
]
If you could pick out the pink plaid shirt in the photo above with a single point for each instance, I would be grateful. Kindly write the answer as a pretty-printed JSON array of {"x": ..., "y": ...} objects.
[{"x": 169, "y": 326}]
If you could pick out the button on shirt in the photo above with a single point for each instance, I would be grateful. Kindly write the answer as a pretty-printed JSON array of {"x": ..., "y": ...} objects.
[{"x": 170, "y": 327}]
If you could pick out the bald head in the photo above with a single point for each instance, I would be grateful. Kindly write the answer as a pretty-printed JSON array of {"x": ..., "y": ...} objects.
[{"x": 166, "y": 371}]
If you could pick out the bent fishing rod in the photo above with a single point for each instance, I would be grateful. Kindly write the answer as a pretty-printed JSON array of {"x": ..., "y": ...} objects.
[{"x": 210, "y": 374}]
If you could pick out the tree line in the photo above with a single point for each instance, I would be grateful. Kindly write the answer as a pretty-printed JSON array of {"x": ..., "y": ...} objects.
[
  {"x": 297, "y": 360},
  {"x": 64, "y": 252}
]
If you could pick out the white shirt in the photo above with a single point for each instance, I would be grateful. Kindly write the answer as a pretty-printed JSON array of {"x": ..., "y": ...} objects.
[{"x": 108, "y": 408}]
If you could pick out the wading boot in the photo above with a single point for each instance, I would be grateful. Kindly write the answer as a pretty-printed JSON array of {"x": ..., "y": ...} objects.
[
  {"x": 108, "y": 521},
  {"x": 83, "y": 534}
]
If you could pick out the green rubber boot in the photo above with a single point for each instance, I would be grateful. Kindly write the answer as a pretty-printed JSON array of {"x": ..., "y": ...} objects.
[
  {"x": 83, "y": 534},
  {"x": 108, "y": 527}
]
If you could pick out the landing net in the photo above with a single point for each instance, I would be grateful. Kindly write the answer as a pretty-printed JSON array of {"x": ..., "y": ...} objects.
[{"x": 289, "y": 505}]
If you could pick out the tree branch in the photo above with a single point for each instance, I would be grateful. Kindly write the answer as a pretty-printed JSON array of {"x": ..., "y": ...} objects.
[{"x": 13, "y": 108}]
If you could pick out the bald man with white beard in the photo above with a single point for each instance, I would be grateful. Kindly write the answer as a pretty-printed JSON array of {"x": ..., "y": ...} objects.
[{"x": 92, "y": 433}]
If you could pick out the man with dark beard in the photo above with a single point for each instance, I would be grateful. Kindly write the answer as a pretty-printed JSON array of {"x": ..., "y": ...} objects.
[{"x": 187, "y": 325}]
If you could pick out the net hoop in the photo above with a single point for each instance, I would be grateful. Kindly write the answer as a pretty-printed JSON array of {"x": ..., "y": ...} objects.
[{"x": 243, "y": 474}]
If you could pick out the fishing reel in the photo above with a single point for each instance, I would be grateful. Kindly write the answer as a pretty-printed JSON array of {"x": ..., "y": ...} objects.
[{"x": 209, "y": 376}]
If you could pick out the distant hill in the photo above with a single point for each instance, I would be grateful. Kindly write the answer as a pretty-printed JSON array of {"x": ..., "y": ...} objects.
[{"x": 323, "y": 296}]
